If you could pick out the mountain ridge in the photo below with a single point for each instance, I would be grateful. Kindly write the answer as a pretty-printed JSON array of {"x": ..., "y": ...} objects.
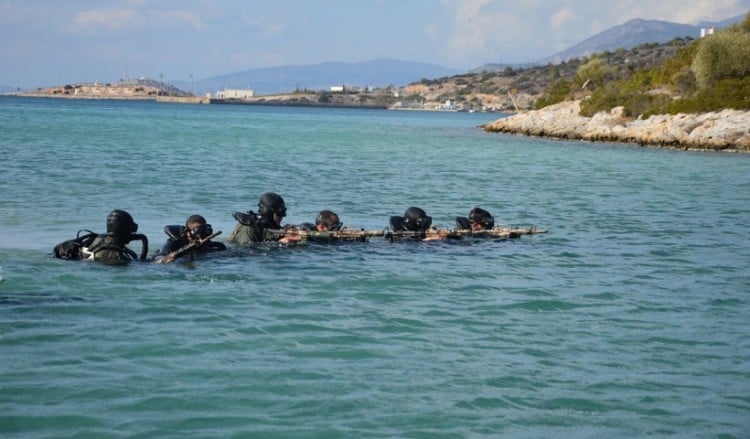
[{"x": 627, "y": 35}]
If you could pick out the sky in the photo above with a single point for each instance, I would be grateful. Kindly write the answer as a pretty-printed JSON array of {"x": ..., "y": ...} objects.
[{"x": 53, "y": 42}]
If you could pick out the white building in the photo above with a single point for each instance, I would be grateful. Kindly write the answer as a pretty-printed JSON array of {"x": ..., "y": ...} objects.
[
  {"x": 449, "y": 105},
  {"x": 706, "y": 31},
  {"x": 235, "y": 93}
]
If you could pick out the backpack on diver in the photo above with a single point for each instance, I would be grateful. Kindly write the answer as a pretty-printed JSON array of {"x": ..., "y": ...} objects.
[{"x": 71, "y": 249}]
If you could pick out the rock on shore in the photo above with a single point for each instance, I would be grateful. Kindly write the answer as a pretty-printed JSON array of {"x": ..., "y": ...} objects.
[{"x": 727, "y": 130}]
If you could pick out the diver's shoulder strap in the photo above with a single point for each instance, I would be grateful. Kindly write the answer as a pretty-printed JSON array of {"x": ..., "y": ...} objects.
[
  {"x": 248, "y": 218},
  {"x": 174, "y": 231},
  {"x": 397, "y": 223}
]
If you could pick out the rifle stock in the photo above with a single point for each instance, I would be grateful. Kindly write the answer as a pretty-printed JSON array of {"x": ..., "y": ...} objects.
[{"x": 187, "y": 248}]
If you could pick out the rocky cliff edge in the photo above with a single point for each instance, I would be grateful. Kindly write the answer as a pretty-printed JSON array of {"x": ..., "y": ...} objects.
[{"x": 727, "y": 130}]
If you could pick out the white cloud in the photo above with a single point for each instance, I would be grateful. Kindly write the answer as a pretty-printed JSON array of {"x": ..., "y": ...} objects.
[
  {"x": 698, "y": 10},
  {"x": 470, "y": 11},
  {"x": 432, "y": 31},
  {"x": 107, "y": 19},
  {"x": 266, "y": 28},
  {"x": 562, "y": 17},
  {"x": 477, "y": 27},
  {"x": 679, "y": 11},
  {"x": 179, "y": 17}
]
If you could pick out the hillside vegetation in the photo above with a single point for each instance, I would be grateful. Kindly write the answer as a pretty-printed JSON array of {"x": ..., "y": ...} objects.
[
  {"x": 709, "y": 74},
  {"x": 683, "y": 75},
  {"x": 525, "y": 88}
]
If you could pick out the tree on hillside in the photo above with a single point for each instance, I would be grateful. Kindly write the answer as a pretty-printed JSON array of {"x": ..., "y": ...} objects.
[
  {"x": 723, "y": 55},
  {"x": 593, "y": 73},
  {"x": 745, "y": 24}
]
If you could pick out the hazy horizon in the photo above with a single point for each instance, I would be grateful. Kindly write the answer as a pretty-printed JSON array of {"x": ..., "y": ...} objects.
[{"x": 47, "y": 43}]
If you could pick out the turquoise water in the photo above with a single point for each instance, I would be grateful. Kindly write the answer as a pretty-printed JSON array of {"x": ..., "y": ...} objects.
[{"x": 628, "y": 319}]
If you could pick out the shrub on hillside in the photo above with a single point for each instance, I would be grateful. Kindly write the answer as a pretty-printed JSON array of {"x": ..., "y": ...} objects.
[
  {"x": 726, "y": 93},
  {"x": 635, "y": 102},
  {"x": 594, "y": 73},
  {"x": 722, "y": 55},
  {"x": 555, "y": 93},
  {"x": 710, "y": 74}
]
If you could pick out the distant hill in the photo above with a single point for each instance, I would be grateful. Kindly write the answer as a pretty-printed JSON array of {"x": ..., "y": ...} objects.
[
  {"x": 270, "y": 80},
  {"x": 626, "y": 36},
  {"x": 723, "y": 23}
]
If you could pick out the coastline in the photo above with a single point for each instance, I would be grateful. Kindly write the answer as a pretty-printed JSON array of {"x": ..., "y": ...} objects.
[
  {"x": 287, "y": 100},
  {"x": 726, "y": 130}
]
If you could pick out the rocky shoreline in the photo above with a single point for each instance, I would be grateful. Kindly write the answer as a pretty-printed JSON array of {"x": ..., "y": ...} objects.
[{"x": 727, "y": 130}]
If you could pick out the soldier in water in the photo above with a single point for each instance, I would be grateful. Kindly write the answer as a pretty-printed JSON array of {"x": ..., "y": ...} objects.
[
  {"x": 478, "y": 219},
  {"x": 195, "y": 231},
  {"x": 110, "y": 247},
  {"x": 252, "y": 227},
  {"x": 414, "y": 224}
]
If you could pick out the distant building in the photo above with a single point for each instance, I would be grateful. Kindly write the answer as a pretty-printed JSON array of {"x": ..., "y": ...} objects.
[
  {"x": 337, "y": 88},
  {"x": 235, "y": 93},
  {"x": 449, "y": 105},
  {"x": 706, "y": 31}
]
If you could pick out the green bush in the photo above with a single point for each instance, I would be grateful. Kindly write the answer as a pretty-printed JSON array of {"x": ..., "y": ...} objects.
[
  {"x": 726, "y": 93},
  {"x": 446, "y": 96},
  {"x": 723, "y": 55},
  {"x": 682, "y": 60},
  {"x": 602, "y": 99},
  {"x": 595, "y": 72},
  {"x": 414, "y": 98},
  {"x": 684, "y": 82},
  {"x": 635, "y": 102},
  {"x": 556, "y": 92},
  {"x": 707, "y": 75},
  {"x": 745, "y": 24}
]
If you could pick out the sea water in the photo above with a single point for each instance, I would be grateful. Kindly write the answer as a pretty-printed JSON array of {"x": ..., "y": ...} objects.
[{"x": 629, "y": 318}]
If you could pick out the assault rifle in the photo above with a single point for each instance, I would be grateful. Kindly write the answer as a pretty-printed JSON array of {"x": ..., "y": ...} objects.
[
  {"x": 187, "y": 248},
  {"x": 439, "y": 234},
  {"x": 295, "y": 234}
]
